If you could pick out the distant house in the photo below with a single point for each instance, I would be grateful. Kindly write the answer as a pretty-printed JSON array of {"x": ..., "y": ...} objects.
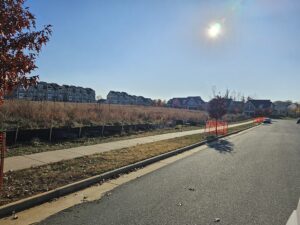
[
  {"x": 195, "y": 103},
  {"x": 101, "y": 101},
  {"x": 294, "y": 109},
  {"x": 258, "y": 107},
  {"x": 236, "y": 107},
  {"x": 115, "y": 97},
  {"x": 176, "y": 103},
  {"x": 53, "y": 92},
  {"x": 281, "y": 108}
]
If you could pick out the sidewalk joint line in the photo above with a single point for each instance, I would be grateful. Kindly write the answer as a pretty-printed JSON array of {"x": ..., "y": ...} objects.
[{"x": 27, "y": 156}]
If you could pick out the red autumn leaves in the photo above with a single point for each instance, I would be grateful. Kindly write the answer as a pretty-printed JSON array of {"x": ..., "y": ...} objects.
[{"x": 20, "y": 45}]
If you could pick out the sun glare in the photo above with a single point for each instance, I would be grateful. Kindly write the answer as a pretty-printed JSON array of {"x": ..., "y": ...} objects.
[{"x": 214, "y": 30}]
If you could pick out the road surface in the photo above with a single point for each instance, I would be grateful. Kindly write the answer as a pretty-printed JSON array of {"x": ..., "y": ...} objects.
[{"x": 252, "y": 178}]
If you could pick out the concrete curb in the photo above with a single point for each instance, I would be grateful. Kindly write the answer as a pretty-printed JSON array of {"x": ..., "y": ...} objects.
[
  {"x": 295, "y": 217},
  {"x": 30, "y": 202}
]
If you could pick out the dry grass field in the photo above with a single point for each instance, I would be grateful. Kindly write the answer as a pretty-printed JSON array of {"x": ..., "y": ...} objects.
[{"x": 29, "y": 114}]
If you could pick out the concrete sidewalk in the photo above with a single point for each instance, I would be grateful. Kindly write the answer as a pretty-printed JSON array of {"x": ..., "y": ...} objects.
[{"x": 43, "y": 158}]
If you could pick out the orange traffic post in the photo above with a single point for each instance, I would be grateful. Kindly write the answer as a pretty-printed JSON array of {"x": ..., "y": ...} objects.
[{"x": 220, "y": 127}]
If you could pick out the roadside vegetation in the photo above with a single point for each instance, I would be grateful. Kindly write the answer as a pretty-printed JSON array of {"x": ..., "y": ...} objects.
[
  {"x": 42, "y": 114},
  {"x": 36, "y": 146},
  {"x": 28, "y": 182},
  {"x": 32, "y": 115}
]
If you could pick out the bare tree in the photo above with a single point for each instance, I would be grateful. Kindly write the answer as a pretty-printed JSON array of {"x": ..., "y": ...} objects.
[
  {"x": 227, "y": 94},
  {"x": 217, "y": 108}
]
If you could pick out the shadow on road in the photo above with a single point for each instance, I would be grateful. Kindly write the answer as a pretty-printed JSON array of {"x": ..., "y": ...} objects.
[
  {"x": 222, "y": 146},
  {"x": 267, "y": 124}
]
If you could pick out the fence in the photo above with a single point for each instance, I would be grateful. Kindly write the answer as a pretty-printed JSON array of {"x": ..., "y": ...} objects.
[
  {"x": 62, "y": 134},
  {"x": 2, "y": 152},
  {"x": 216, "y": 127}
]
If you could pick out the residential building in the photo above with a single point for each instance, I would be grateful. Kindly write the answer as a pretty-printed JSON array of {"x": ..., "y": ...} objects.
[
  {"x": 236, "y": 107},
  {"x": 44, "y": 91},
  {"x": 258, "y": 107},
  {"x": 195, "y": 103},
  {"x": 281, "y": 108},
  {"x": 115, "y": 97},
  {"x": 294, "y": 110}
]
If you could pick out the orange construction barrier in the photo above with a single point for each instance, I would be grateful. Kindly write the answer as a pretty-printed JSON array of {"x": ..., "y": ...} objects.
[
  {"x": 259, "y": 119},
  {"x": 2, "y": 152},
  {"x": 216, "y": 127}
]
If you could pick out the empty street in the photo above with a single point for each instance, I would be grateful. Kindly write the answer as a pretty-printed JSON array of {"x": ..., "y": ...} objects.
[{"x": 251, "y": 178}]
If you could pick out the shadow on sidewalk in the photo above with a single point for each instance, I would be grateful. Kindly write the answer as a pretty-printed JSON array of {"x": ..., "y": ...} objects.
[{"x": 222, "y": 146}]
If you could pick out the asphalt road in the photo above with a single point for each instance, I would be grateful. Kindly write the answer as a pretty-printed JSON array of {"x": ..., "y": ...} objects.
[{"x": 252, "y": 178}]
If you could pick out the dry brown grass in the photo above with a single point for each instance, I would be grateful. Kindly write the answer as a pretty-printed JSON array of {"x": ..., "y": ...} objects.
[
  {"x": 25, "y": 183},
  {"x": 29, "y": 182},
  {"x": 29, "y": 114}
]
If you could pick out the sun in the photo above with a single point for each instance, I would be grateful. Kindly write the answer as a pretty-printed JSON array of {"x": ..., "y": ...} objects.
[{"x": 214, "y": 30}]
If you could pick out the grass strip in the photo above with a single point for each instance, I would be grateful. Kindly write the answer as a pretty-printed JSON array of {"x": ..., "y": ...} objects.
[{"x": 28, "y": 182}]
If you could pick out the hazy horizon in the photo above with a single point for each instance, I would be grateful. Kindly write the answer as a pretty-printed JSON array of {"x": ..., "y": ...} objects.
[{"x": 161, "y": 50}]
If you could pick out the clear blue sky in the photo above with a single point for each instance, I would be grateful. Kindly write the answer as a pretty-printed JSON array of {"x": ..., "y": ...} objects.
[{"x": 160, "y": 49}]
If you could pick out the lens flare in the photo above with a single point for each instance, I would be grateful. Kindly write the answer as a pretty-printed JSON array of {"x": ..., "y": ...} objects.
[
  {"x": 219, "y": 27},
  {"x": 214, "y": 30}
]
